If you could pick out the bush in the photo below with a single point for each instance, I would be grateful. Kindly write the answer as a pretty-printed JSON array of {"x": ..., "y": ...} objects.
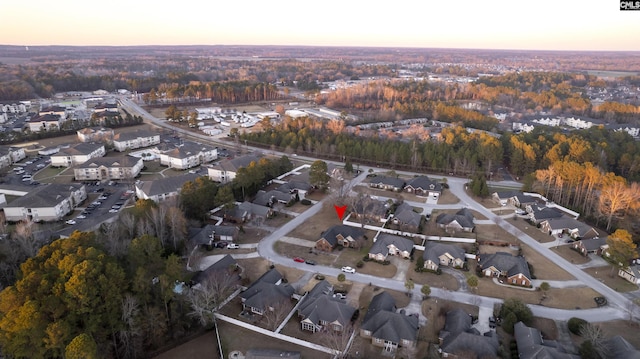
[
  {"x": 360, "y": 264},
  {"x": 319, "y": 277},
  {"x": 386, "y": 263},
  {"x": 305, "y": 202},
  {"x": 341, "y": 277},
  {"x": 575, "y": 325},
  {"x": 366, "y": 258}
]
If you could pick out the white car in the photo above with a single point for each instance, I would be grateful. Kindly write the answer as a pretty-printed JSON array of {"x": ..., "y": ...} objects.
[
  {"x": 232, "y": 246},
  {"x": 82, "y": 216},
  {"x": 27, "y": 179},
  {"x": 348, "y": 270},
  {"x": 71, "y": 221},
  {"x": 113, "y": 210}
]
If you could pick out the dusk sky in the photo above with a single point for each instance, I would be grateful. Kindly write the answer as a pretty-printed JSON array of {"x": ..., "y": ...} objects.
[{"x": 488, "y": 24}]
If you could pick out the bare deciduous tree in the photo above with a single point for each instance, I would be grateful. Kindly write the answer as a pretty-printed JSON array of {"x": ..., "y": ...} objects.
[
  {"x": 129, "y": 338},
  {"x": 274, "y": 315},
  {"x": 595, "y": 335},
  {"x": 206, "y": 297},
  {"x": 157, "y": 219},
  {"x": 128, "y": 223},
  {"x": 177, "y": 226},
  {"x": 338, "y": 340}
]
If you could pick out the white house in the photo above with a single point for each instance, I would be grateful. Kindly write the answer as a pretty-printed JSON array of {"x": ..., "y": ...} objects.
[
  {"x": 46, "y": 203},
  {"x": 136, "y": 139},
  {"x": 47, "y": 122},
  {"x": 108, "y": 168},
  {"x": 188, "y": 155},
  {"x": 226, "y": 170},
  {"x": 96, "y": 134},
  {"x": 77, "y": 154},
  {"x": 162, "y": 189}
]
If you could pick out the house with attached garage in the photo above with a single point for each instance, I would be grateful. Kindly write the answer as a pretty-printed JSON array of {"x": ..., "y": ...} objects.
[
  {"x": 266, "y": 293},
  {"x": 387, "y": 328},
  {"x": 424, "y": 186},
  {"x": 569, "y": 226},
  {"x": 531, "y": 345},
  {"x": 108, "y": 168},
  {"x": 407, "y": 219},
  {"x": 387, "y": 244},
  {"x": 631, "y": 273},
  {"x": 500, "y": 264},
  {"x": 223, "y": 273},
  {"x": 588, "y": 246},
  {"x": 320, "y": 309},
  {"x": 458, "y": 338},
  {"x": 343, "y": 235},
  {"x": 388, "y": 183},
  {"x": 210, "y": 233},
  {"x": 77, "y": 154},
  {"x": 460, "y": 221},
  {"x": 46, "y": 203},
  {"x": 438, "y": 254}
]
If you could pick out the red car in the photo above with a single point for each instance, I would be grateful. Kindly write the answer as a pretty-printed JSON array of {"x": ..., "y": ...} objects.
[{"x": 298, "y": 259}]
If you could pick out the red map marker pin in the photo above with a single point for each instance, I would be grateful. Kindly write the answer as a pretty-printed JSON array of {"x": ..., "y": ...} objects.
[{"x": 340, "y": 210}]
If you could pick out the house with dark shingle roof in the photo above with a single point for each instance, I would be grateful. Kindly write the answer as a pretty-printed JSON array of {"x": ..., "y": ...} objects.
[
  {"x": 265, "y": 293},
  {"x": 388, "y": 183},
  {"x": 592, "y": 245},
  {"x": 386, "y": 328},
  {"x": 567, "y": 225},
  {"x": 618, "y": 347},
  {"x": 108, "y": 168},
  {"x": 460, "y": 221},
  {"x": 77, "y": 154},
  {"x": 388, "y": 244},
  {"x": 226, "y": 170},
  {"x": 45, "y": 203},
  {"x": 341, "y": 234},
  {"x": 320, "y": 309},
  {"x": 406, "y": 218},
  {"x": 458, "y": 337},
  {"x": 188, "y": 155},
  {"x": 161, "y": 189},
  {"x": 539, "y": 214},
  {"x": 223, "y": 273},
  {"x": 270, "y": 198},
  {"x": 438, "y": 254},
  {"x": 299, "y": 188},
  {"x": 423, "y": 185},
  {"x": 531, "y": 345},
  {"x": 211, "y": 233},
  {"x": 501, "y": 264}
]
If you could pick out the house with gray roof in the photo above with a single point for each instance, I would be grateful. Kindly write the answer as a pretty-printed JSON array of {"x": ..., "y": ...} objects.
[
  {"x": 108, "y": 168},
  {"x": 45, "y": 203},
  {"x": 501, "y": 264},
  {"x": 368, "y": 208},
  {"x": 96, "y": 134},
  {"x": 10, "y": 155},
  {"x": 210, "y": 233},
  {"x": 77, "y": 154},
  {"x": 387, "y": 328},
  {"x": 45, "y": 122},
  {"x": 321, "y": 309},
  {"x": 225, "y": 273},
  {"x": 160, "y": 190},
  {"x": 514, "y": 198},
  {"x": 531, "y": 345},
  {"x": 460, "y": 221},
  {"x": 341, "y": 234},
  {"x": 129, "y": 140},
  {"x": 570, "y": 226},
  {"x": 188, "y": 155},
  {"x": 592, "y": 245},
  {"x": 270, "y": 198},
  {"x": 388, "y": 244},
  {"x": 458, "y": 337},
  {"x": 388, "y": 183},
  {"x": 423, "y": 185},
  {"x": 299, "y": 188},
  {"x": 538, "y": 214},
  {"x": 438, "y": 254},
  {"x": 227, "y": 169},
  {"x": 265, "y": 293},
  {"x": 406, "y": 218},
  {"x": 630, "y": 273},
  {"x": 619, "y": 347}
]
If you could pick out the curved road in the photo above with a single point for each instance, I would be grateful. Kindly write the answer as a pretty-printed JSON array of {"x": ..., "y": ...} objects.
[{"x": 618, "y": 304}]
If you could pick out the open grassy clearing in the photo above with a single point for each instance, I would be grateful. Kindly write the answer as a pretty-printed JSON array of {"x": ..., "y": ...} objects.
[
  {"x": 611, "y": 279},
  {"x": 571, "y": 255},
  {"x": 543, "y": 267},
  {"x": 531, "y": 230}
]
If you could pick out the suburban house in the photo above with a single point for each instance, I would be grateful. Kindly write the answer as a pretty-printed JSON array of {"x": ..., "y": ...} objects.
[
  {"x": 161, "y": 189},
  {"x": 460, "y": 221},
  {"x": 388, "y": 183},
  {"x": 424, "y": 186},
  {"x": 212, "y": 233},
  {"x": 188, "y": 155},
  {"x": 299, "y": 188},
  {"x": 130, "y": 140},
  {"x": 96, "y": 134},
  {"x": 406, "y": 218},
  {"x": 570, "y": 226},
  {"x": 47, "y": 122},
  {"x": 226, "y": 170},
  {"x": 223, "y": 273},
  {"x": 514, "y": 198},
  {"x": 11, "y": 155},
  {"x": 438, "y": 254},
  {"x": 77, "y": 154},
  {"x": 246, "y": 211},
  {"x": 341, "y": 234},
  {"x": 108, "y": 168},
  {"x": 631, "y": 273},
  {"x": 321, "y": 310},
  {"x": 618, "y": 347},
  {"x": 270, "y": 198},
  {"x": 587, "y": 246},
  {"x": 459, "y": 338},
  {"x": 386, "y": 328},
  {"x": 370, "y": 209},
  {"x": 501, "y": 264},
  {"x": 538, "y": 214},
  {"x": 265, "y": 293},
  {"x": 532, "y": 346},
  {"x": 46, "y": 203},
  {"x": 388, "y": 244}
]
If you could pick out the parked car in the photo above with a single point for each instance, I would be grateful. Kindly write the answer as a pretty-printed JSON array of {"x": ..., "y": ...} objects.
[
  {"x": 221, "y": 244},
  {"x": 232, "y": 246},
  {"x": 310, "y": 262},
  {"x": 71, "y": 221},
  {"x": 298, "y": 259},
  {"x": 340, "y": 296},
  {"x": 348, "y": 270},
  {"x": 113, "y": 210},
  {"x": 27, "y": 179},
  {"x": 81, "y": 216}
]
